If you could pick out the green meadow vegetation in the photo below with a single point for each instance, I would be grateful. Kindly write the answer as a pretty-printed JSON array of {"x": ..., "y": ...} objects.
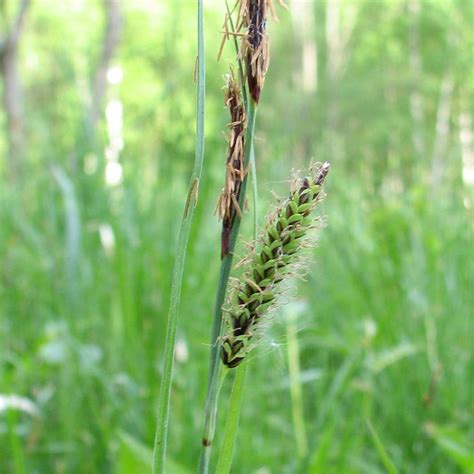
[{"x": 367, "y": 368}]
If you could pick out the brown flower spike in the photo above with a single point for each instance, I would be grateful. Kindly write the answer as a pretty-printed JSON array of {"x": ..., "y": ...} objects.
[
  {"x": 228, "y": 206},
  {"x": 255, "y": 47}
]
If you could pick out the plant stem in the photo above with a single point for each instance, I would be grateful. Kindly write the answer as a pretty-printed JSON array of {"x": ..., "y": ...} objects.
[
  {"x": 384, "y": 456},
  {"x": 227, "y": 261},
  {"x": 233, "y": 415},
  {"x": 232, "y": 421},
  {"x": 217, "y": 379},
  {"x": 159, "y": 452},
  {"x": 226, "y": 265},
  {"x": 295, "y": 387},
  {"x": 253, "y": 171}
]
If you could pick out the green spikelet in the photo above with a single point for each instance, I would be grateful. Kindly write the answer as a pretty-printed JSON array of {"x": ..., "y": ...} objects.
[{"x": 269, "y": 264}]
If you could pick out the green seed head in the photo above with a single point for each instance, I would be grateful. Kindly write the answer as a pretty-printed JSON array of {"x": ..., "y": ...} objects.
[{"x": 272, "y": 260}]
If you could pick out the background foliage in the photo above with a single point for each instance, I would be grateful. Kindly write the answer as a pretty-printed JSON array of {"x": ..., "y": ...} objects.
[{"x": 382, "y": 326}]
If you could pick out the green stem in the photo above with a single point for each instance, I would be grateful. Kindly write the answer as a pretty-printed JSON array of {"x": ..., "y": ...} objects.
[
  {"x": 232, "y": 421},
  {"x": 253, "y": 171},
  {"x": 15, "y": 442},
  {"x": 159, "y": 452},
  {"x": 384, "y": 456},
  {"x": 226, "y": 265},
  {"x": 233, "y": 414},
  {"x": 227, "y": 261},
  {"x": 295, "y": 388},
  {"x": 217, "y": 379}
]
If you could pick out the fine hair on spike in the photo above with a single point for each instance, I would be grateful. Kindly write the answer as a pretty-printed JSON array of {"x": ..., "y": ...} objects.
[{"x": 271, "y": 261}]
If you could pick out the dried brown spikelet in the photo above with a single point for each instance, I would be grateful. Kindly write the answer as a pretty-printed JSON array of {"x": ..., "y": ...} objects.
[
  {"x": 228, "y": 206},
  {"x": 255, "y": 46}
]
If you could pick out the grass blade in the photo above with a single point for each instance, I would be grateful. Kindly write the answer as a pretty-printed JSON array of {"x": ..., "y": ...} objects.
[
  {"x": 253, "y": 173},
  {"x": 233, "y": 415},
  {"x": 384, "y": 457},
  {"x": 211, "y": 401},
  {"x": 296, "y": 391},
  {"x": 159, "y": 452},
  {"x": 337, "y": 385},
  {"x": 232, "y": 421}
]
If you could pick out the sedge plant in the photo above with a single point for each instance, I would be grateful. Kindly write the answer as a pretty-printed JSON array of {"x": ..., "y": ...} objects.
[
  {"x": 232, "y": 337},
  {"x": 283, "y": 237},
  {"x": 253, "y": 60}
]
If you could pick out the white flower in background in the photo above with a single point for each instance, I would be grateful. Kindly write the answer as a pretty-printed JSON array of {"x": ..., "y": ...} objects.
[
  {"x": 15, "y": 402},
  {"x": 181, "y": 351},
  {"x": 107, "y": 239}
]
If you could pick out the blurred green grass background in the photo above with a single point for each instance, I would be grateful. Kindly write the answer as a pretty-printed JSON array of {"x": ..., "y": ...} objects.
[{"x": 382, "y": 326}]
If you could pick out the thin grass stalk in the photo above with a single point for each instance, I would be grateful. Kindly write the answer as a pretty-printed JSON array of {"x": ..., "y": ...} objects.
[
  {"x": 233, "y": 415},
  {"x": 254, "y": 49},
  {"x": 216, "y": 381},
  {"x": 379, "y": 446},
  {"x": 159, "y": 452},
  {"x": 338, "y": 383},
  {"x": 17, "y": 452},
  {"x": 217, "y": 325},
  {"x": 226, "y": 453},
  {"x": 296, "y": 392},
  {"x": 253, "y": 173}
]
